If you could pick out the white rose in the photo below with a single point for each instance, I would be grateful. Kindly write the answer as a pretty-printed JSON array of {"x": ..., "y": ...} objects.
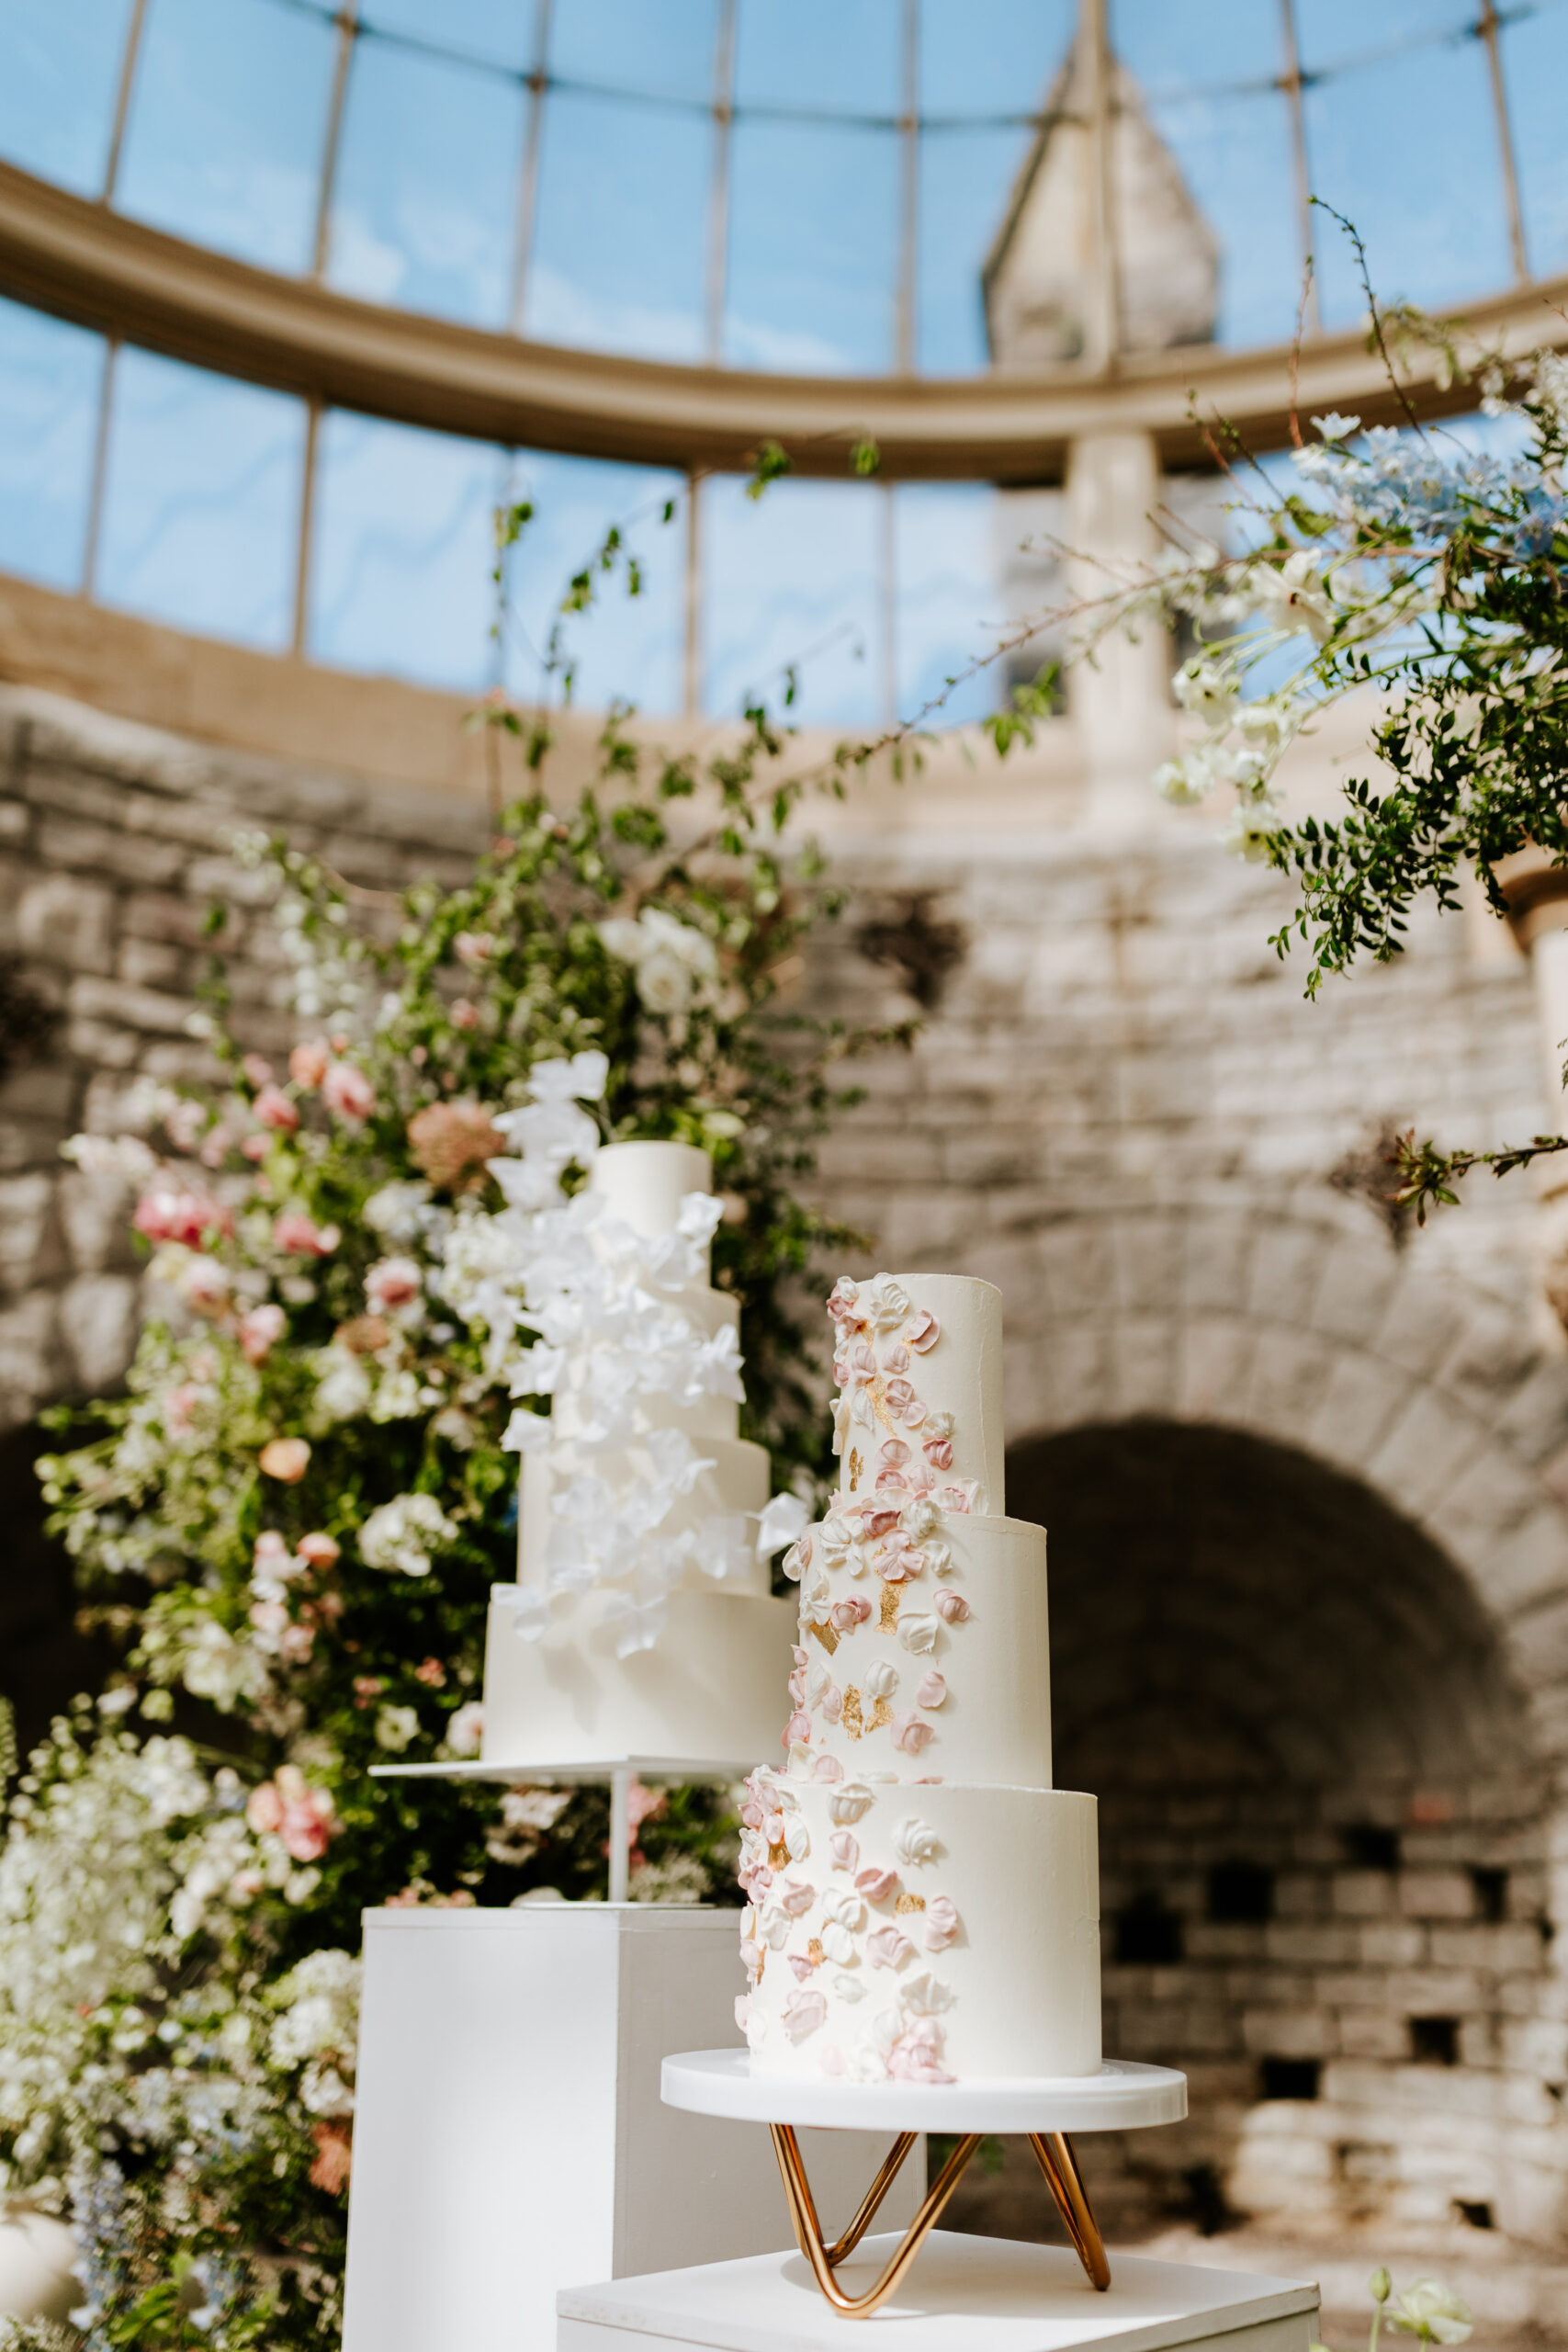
[
  {"x": 1432, "y": 2310},
  {"x": 396, "y": 1728},
  {"x": 916, "y": 1842},
  {"x": 919, "y": 1632}
]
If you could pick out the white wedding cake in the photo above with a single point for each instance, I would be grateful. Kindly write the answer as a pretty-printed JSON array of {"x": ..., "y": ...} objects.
[
  {"x": 641, "y": 1625},
  {"x": 922, "y": 1905}
]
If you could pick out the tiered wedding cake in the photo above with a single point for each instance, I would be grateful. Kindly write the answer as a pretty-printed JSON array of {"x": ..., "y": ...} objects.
[
  {"x": 922, "y": 1904},
  {"x": 641, "y": 1624}
]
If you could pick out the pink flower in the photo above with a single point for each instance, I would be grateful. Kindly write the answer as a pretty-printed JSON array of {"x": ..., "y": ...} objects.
[
  {"x": 898, "y": 1561},
  {"x": 888, "y": 1949},
  {"x": 463, "y": 1014},
  {"x": 897, "y": 1361},
  {"x": 644, "y": 1804},
  {"x": 915, "y": 2056},
  {"x": 168, "y": 1210},
  {"x": 391, "y": 1283},
  {"x": 751, "y": 1957},
  {"x": 474, "y": 948},
  {"x": 831, "y": 2060},
  {"x": 842, "y": 1373},
  {"x": 286, "y": 1459},
  {"x": 271, "y": 1553},
  {"x": 752, "y": 1813},
  {"x": 942, "y": 1923},
  {"x": 800, "y": 1967},
  {"x": 924, "y": 1333},
  {"x": 832, "y": 1704},
  {"x": 803, "y": 2013},
  {"x": 347, "y": 1090},
  {"x": 319, "y": 1551},
  {"x": 876, "y": 1885},
  {"x": 254, "y": 1149},
  {"x": 844, "y": 1848},
  {"x": 893, "y": 1452},
  {"x": 268, "y": 1617},
  {"x": 845, "y": 1615},
  {"x": 797, "y": 1732},
  {"x": 932, "y": 1691},
  {"x": 878, "y": 1518},
  {"x": 366, "y": 1688},
  {"x": 309, "y": 1064},
  {"x": 431, "y": 1673},
  {"x": 180, "y": 1406},
  {"x": 303, "y": 1816},
  {"x": 900, "y": 1396},
  {"x": 952, "y": 1608},
  {"x": 797, "y": 1895},
  {"x": 257, "y": 1069},
  {"x": 295, "y": 1643},
  {"x": 827, "y": 1768},
  {"x": 914, "y": 1415},
  {"x": 302, "y": 1237},
  {"x": 260, "y": 1331},
  {"x": 910, "y": 1733},
  {"x": 274, "y": 1109},
  {"x": 841, "y": 1303},
  {"x": 954, "y": 1498},
  {"x": 862, "y": 1362},
  {"x": 938, "y": 1452},
  {"x": 743, "y": 2010}
]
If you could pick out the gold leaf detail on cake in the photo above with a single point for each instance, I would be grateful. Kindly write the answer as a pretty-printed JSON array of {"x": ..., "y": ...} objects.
[
  {"x": 891, "y": 1596},
  {"x": 778, "y": 1857},
  {"x": 814, "y": 1953},
  {"x": 855, "y": 1467},
  {"x": 907, "y": 1902},
  {"x": 851, "y": 1716},
  {"x": 824, "y": 1634},
  {"x": 881, "y": 1713}
]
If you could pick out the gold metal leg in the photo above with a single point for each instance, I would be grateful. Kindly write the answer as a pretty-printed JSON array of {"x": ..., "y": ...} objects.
[
  {"x": 808, "y": 2230},
  {"x": 1054, "y": 2151}
]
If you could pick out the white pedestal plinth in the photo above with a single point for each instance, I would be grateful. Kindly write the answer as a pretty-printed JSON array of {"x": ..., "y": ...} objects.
[
  {"x": 510, "y": 2138},
  {"x": 964, "y": 2295}
]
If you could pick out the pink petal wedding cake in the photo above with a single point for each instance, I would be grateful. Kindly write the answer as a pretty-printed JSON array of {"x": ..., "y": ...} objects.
[{"x": 921, "y": 1904}]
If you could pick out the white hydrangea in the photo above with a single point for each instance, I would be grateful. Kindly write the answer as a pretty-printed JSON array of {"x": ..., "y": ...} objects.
[{"x": 401, "y": 1535}]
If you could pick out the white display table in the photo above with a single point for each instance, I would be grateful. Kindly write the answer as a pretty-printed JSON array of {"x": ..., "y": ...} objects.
[
  {"x": 967, "y": 2295},
  {"x": 510, "y": 2138}
]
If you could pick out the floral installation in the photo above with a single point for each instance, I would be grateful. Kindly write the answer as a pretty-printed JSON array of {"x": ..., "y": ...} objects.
[{"x": 291, "y": 1523}]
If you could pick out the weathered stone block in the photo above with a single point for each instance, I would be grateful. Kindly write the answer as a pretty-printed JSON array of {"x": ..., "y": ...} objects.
[
  {"x": 97, "y": 1322},
  {"x": 65, "y": 920}
]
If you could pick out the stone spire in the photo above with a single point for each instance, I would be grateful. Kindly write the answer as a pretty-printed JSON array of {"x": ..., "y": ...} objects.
[{"x": 1097, "y": 174}]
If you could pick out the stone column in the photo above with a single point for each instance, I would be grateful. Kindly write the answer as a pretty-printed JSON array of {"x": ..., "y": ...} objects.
[
  {"x": 1120, "y": 701},
  {"x": 1537, "y": 910}
]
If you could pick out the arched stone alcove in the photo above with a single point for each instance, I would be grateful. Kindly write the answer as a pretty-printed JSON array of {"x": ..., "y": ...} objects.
[{"x": 1324, "y": 1831}]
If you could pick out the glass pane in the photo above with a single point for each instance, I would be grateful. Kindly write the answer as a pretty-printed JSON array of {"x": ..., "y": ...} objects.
[
  {"x": 991, "y": 57},
  {"x": 424, "y": 209},
  {"x": 58, "y": 87},
  {"x": 1407, "y": 148},
  {"x": 202, "y": 501},
  {"x": 627, "y": 649},
  {"x": 828, "y": 56},
  {"x": 793, "y": 578},
  {"x": 947, "y": 606},
  {"x": 619, "y": 249},
  {"x": 227, "y": 126},
  {"x": 1331, "y": 34},
  {"x": 966, "y": 179},
  {"x": 1233, "y": 154},
  {"x": 49, "y": 376},
  {"x": 663, "y": 53},
  {"x": 1535, "y": 72},
  {"x": 403, "y": 551},
  {"x": 813, "y": 248},
  {"x": 500, "y": 31}
]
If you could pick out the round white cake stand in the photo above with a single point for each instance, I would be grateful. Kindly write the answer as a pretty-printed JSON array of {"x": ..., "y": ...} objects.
[{"x": 1122, "y": 2096}]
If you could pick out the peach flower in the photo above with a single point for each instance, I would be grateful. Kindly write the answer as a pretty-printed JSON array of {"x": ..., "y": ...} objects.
[
  {"x": 950, "y": 1607},
  {"x": 319, "y": 1551},
  {"x": 274, "y": 1109},
  {"x": 940, "y": 1923},
  {"x": 938, "y": 1452},
  {"x": 286, "y": 1459},
  {"x": 449, "y": 1141},
  {"x": 309, "y": 1063},
  {"x": 910, "y": 1733},
  {"x": 334, "y": 2154},
  {"x": 347, "y": 1090},
  {"x": 924, "y": 1333}
]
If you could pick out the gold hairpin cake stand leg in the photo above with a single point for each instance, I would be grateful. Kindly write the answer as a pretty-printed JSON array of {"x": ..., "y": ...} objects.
[{"x": 1052, "y": 2151}]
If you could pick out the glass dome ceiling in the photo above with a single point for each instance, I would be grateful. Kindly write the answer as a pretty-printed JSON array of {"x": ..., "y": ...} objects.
[
  {"x": 808, "y": 186},
  {"x": 765, "y": 198}
]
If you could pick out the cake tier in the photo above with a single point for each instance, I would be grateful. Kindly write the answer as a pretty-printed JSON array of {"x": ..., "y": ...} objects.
[
  {"x": 578, "y": 1397},
  {"x": 698, "y": 1696},
  {"x": 918, "y": 1363},
  {"x": 737, "y": 1484},
  {"x": 944, "y": 1671},
  {"x": 922, "y": 1933},
  {"x": 645, "y": 1183}
]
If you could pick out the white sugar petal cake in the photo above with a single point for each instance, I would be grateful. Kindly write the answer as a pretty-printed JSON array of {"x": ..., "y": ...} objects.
[
  {"x": 921, "y": 1904},
  {"x": 641, "y": 1622}
]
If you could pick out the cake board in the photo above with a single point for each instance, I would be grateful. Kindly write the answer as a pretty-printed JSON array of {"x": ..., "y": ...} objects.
[
  {"x": 1122, "y": 2096},
  {"x": 972, "y": 2295},
  {"x": 617, "y": 1772}
]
